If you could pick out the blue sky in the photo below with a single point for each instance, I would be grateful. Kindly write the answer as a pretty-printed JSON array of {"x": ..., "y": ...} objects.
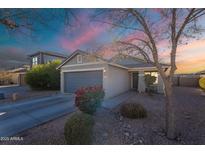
[
  {"x": 49, "y": 38},
  {"x": 52, "y": 34}
]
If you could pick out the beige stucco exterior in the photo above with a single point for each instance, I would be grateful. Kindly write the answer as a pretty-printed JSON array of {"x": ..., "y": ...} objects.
[
  {"x": 161, "y": 84},
  {"x": 116, "y": 80},
  {"x": 112, "y": 76},
  {"x": 85, "y": 59},
  {"x": 141, "y": 83},
  {"x": 83, "y": 67}
]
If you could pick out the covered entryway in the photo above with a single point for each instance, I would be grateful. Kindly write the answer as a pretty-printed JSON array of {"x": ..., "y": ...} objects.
[
  {"x": 76, "y": 80},
  {"x": 135, "y": 80}
]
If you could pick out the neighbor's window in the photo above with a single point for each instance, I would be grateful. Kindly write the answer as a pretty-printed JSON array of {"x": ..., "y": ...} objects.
[
  {"x": 153, "y": 74},
  {"x": 35, "y": 60},
  {"x": 79, "y": 59}
]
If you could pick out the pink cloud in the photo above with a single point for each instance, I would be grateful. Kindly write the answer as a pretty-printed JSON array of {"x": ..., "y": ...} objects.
[
  {"x": 82, "y": 33},
  {"x": 193, "y": 47},
  {"x": 86, "y": 36},
  {"x": 190, "y": 58},
  {"x": 195, "y": 64},
  {"x": 108, "y": 51},
  {"x": 134, "y": 36}
]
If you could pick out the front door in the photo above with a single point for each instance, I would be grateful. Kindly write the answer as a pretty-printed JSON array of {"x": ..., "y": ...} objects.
[{"x": 135, "y": 80}]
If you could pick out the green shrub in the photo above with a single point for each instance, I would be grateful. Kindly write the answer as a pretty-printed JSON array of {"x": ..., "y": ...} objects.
[
  {"x": 133, "y": 111},
  {"x": 78, "y": 129},
  {"x": 89, "y": 99},
  {"x": 149, "y": 80},
  {"x": 202, "y": 83},
  {"x": 44, "y": 76}
]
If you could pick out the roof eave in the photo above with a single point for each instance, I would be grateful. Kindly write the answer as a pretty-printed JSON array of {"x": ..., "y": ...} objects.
[
  {"x": 145, "y": 68},
  {"x": 117, "y": 65},
  {"x": 69, "y": 57},
  {"x": 46, "y": 53}
]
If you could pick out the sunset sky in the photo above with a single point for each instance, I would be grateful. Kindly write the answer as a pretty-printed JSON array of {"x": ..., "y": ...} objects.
[{"x": 85, "y": 35}]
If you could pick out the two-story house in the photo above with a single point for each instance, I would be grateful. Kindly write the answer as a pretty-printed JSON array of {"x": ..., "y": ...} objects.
[{"x": 43, "y": 57}]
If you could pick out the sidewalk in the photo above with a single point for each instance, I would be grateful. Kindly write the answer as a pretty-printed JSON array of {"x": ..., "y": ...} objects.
[{"x": 115, "y": 101}]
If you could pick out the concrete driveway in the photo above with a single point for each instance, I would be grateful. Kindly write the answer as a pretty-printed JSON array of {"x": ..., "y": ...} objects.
[
  {"x": 117, "y": 100},
  {"x": 15, "y": 118}
]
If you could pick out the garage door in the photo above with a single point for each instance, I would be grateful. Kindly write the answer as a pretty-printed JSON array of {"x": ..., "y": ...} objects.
[{"x": 75, "y": 80}]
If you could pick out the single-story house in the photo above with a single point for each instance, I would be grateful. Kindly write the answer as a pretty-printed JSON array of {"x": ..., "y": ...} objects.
[
  {"x": 19, "y": 75},
  {"x": 117, "y": 75},
  {"x": 14, "y": 76}
]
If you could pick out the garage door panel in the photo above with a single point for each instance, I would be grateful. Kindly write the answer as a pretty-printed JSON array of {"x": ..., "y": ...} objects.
[{"x": 76, "y": 80}]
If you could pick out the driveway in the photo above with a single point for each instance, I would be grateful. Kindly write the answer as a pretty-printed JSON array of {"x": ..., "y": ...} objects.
[
  {"x": 15, "y": 118},
  {"x": 111, "y": 128},
  {"x": 117, "y": 100}
]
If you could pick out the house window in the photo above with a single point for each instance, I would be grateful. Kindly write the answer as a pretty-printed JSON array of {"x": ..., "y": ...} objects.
[
  {"x": 34, "y": 60},
  {"x": 79, "y": 59}
]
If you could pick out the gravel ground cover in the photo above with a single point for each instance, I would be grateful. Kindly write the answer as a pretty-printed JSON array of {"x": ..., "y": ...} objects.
[{"x": 111, "y": 128}]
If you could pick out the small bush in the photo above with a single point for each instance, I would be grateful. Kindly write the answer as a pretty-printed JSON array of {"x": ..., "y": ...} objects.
[
  {"x": 133, "y": 111},
  {"x": 89, "y": 99},
  {"x": 78, "y": 129},
  {"x": 202, "y": 83},
  {"x": 44, "y": 76},
  {"x": 149, "y": 81}
]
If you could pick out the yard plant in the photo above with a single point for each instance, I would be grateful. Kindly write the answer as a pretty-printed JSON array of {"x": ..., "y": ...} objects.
[
  {"x": 133, "y": 111},
  {"x": 202, "y": 83},
  {"x": 149, "y": 80},
  {"x": 78, "y": 129},
  {"x": 88, "y": 99},
  {"x": 44, "y": 76},
  {"x": 173, "y": 26}
]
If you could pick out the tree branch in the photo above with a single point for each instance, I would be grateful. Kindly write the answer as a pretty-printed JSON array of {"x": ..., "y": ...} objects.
[
  {"x": 154, "y": 50},
  {"x": 145, "y": 55},
  {"x": 174, "y": 44},
  {"x": 186, "y": 20}
]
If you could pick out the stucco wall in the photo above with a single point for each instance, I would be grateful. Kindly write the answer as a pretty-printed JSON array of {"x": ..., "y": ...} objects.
[
  {"x": 115, "y": 80},
  {"x": 85, "y": 59},
  {"x": 141, "y": 82},
  {"x": 48, "y": 58},
  {"x": 7, "y": 78},
  {"x": 118, "y": 81},
  {"x": 87, "y": 67},
  {"x": 161, "y": 84}
]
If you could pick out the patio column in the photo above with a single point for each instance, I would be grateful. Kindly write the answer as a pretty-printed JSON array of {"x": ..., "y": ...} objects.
[
  {"x": 161, "y": 84},
  {"x": 141, "y": 82},
  {"x": 62, "y": 82}
]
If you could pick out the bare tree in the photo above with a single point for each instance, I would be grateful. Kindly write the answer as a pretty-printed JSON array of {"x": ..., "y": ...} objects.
[
  {"x": 149, "y": 28},
  {"x": 27, "y": 21}
]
